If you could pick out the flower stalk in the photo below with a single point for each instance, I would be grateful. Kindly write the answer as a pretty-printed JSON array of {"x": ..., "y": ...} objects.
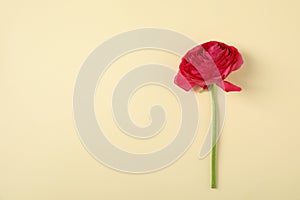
[{"x": 214, "y": 136}]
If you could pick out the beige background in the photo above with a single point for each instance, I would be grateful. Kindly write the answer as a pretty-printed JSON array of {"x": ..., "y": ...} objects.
[{"x": 42, "y": 46}]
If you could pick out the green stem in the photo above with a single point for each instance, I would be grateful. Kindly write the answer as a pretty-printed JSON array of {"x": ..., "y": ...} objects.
[{"x": 214, "y": 136}]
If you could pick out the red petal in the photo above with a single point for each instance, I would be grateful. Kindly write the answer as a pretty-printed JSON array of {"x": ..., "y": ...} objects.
[
  {"x": 182, "y": 82},
  {"x": 229, "y": 87}
]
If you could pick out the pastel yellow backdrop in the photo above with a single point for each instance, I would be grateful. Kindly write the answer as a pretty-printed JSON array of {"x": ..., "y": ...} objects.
[{"x": 42, "y": 46}]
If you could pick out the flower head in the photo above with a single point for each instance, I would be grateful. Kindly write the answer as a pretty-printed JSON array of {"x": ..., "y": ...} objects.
[{"x": 209, "y": 63}]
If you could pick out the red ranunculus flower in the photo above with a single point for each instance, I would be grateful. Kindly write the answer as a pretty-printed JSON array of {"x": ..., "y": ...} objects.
[{"x": 207, "y": 64}]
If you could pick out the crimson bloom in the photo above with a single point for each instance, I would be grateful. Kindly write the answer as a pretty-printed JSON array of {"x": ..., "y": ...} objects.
[{"x": 207, "y": 64}]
